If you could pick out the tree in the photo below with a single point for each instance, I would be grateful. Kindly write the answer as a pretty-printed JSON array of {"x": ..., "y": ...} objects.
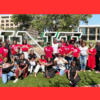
[
  {"x": 59, "y": 22},
  {"x": 24, "y": 20},
  {"x": 50, "y": 22}
]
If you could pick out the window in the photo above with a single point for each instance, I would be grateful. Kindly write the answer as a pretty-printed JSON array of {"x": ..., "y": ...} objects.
[
  {"x": 11, "y": 21},
  {"x": 84, "y": 30},
  {"x": 7, "y": 20},
  {"x": 11, "y": 27},
  {"x": 76, "y": 30},
  {"x": 2, "y": 21},
  {"x": 2, "y": 24},
  {"x": 7, "y": 24},
  {"x": 11, "y": 24},
  {"x": 92, "y": 31}
]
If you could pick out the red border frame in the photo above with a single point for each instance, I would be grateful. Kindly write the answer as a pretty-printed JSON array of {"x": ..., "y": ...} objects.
[{"x": 49, "y": 7}]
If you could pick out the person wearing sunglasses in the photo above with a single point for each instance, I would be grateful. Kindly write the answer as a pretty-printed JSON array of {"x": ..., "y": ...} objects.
[{"x": 60, "y": 67}]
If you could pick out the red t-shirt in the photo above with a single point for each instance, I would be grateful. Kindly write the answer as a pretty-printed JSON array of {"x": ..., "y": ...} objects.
[
  {"x": 60, "y": 50},
  {"x": 76, "y": 52},
  {"x": 4, "y": 52},
  {"x": 48, "y": 51},
  {"x": 25, "y": 47},
  {"x": 64, "y": 44},
  {"x": 45, "y": 61},
  {"x": 14, "y": 48},
  {"x": 68, "y": 49}
]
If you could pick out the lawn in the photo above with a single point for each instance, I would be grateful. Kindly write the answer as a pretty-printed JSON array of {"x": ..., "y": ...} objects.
[{"x": 87, "y": 78}]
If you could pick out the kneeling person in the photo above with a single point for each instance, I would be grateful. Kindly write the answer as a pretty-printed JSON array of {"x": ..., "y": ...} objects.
[
  {"x": 73, "y": 74},
  {"x": 22, "y": 67}
]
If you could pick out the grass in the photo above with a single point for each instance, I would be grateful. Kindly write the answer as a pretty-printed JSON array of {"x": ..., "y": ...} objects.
[{"x": 87, "y": 78}]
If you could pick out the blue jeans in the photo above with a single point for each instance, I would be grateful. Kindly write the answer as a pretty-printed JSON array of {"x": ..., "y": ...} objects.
[
  {"x": 7, "y": 76},
  {"x": 69, "y": 59},
  {"x": 83, "y": 62},
  {"x": 15, "y": 67},
  {"x": 61, "y": 73}
]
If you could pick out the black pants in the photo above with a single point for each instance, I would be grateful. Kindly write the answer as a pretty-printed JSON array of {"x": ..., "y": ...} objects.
[
  {"x": 77, "y": 63},
  {"x": 74, "y": 81},
  {"x": 97, "y": 68}
]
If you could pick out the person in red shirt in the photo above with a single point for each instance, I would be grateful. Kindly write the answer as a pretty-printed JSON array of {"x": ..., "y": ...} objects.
[
  {"x": 68, "y": 53},
  {"x": 76, "y": 56},
  {"x": 48, "y": 51},
  {"x": 91, "y": 56},
  {"x": 72, "y": 41},
  {"x": 3, "y": 52},
  {"x": 41, "y": 64},
  {"x": 14, "y": 48},
  {"x": 25, "y": 47},
  {"x": 63, "y": 43},
  {"x": 60, "y": 50}
]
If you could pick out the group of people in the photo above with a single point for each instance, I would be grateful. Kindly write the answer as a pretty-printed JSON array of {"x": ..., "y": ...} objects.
[{"x": 63, "y": 57}]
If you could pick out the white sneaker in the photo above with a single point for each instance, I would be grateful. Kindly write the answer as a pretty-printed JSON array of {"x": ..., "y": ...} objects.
[
  {"x": 15, "y": 80},
  {"x": 89, "y": 70},
  {"x": 97, "y": 72}
]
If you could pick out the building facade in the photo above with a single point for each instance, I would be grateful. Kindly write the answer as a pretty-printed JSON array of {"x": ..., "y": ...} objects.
[
  {"x": 6, "y": 22},
  {"x": 89, "y": 32}
]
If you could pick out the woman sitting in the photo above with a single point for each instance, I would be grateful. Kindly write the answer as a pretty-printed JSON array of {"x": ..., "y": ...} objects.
[
  {"x": 32, "y": 58},
  {"x": 49, "y": 73},
  {"x": 41, "y": 64},
  {"x": 60, "y": 64},
  {"x": 73, "y": 74},
  {"x": 6, "y": 71}
]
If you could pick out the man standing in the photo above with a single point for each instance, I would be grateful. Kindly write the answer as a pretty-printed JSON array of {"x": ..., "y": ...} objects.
[
  {"x": 97, "y": 57},
  {"x": 0, "y": 43},
  {"x": 9, "y": 50}
]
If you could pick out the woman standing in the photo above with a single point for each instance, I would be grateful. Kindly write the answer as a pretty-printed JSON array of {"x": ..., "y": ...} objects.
[
  {"x": 25, "y": 47},
  {"x": 83, "y": 56},
  {"x": 68, "y": 53},
  {"x": 63, "y": 43},
  {"x": 79, "y": 42},
  {"x": 60, "y": 50},
  {"x": 72, "y": 41},
  {"x": 91, "y": 56},
  {"x": 14, "y": 48},
  {"x": 49, "y": 71},
  {"x": 73, "y": 74},
  {"x": 76, "y": 56}
]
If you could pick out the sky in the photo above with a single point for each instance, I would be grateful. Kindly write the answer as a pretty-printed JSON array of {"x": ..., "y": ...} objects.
[{"x": 95, "y": 20}]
